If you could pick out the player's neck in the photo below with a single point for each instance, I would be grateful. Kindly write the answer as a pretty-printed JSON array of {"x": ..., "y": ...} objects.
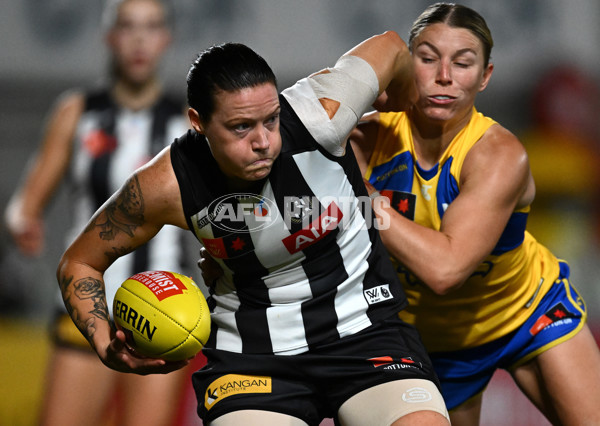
[
  {"x": 240, "y": 185},
  {"x": 431, "y": 138},
  {"x": 136, "y": 96}
]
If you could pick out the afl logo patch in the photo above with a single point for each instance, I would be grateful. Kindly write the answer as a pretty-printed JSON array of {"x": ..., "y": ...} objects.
[{"x": 242, "y": 212}]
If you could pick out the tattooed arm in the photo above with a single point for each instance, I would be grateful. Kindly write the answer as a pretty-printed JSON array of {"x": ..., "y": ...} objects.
[{"x": 132, "y": 216}]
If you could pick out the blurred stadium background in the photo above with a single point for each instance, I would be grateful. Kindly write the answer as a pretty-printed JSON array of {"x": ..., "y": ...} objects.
[{"x": 547, "y": 71}]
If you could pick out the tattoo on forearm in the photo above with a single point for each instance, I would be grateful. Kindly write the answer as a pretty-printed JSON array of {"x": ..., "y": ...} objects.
[
  {"x": 85, "y": 288},
  {"x": 91, "y": 288},
  {"x": 124, "y": 214}
]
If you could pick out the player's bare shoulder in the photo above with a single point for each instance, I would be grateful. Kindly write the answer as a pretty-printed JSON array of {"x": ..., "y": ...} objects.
[
  {"x": 498, "y": 146},
  {"x": 64, "y": 117},
  {"x": 515, "y": 154},
  {"x": 499, "y": 160},
  {"x": 72, "y": 99},
  {"x": 160, "y": 190},
  {"x": 499, "y": 136}
]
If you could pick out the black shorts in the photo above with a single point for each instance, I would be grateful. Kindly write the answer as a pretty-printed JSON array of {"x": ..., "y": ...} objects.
[{"x": 312, "y": 385}]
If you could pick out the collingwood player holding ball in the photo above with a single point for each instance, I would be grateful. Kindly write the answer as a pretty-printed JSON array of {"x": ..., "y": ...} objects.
[{"x": 304, "y": 316}]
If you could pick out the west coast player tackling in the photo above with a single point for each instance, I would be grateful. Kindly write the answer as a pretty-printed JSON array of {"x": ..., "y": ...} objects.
[{"x": 483, "y": 293}]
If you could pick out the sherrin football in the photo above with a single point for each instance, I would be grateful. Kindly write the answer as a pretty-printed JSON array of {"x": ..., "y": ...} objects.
[{"x": 163, "y": 314}]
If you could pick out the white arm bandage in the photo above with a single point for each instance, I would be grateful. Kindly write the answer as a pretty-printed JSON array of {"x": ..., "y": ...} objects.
[{"x": 351, "y": 82}]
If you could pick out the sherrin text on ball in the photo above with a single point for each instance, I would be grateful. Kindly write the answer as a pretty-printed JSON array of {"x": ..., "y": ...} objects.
[{"x": 164, "y": 315}]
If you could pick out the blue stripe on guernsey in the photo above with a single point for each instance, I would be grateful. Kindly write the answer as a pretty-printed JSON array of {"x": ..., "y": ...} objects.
[
  {"x": 513, "y": 235},
  {"x": 427, "y": 174},
  {"x": 396, "y": 174},
  {"x": 447, "y": 189}
]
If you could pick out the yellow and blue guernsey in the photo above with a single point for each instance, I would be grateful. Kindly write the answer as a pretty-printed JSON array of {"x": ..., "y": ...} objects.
[{"x": 508, "y": 285}]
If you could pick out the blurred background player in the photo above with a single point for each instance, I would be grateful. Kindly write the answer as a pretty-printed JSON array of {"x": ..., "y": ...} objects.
[
  {"x": 483, "y": 293},
  {"x": 97, "y": 138}
]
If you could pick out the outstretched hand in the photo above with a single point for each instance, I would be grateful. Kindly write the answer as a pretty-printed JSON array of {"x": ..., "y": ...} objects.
[{"x": 122, "y": 357}]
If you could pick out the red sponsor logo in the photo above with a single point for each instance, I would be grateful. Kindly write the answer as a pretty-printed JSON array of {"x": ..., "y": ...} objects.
[
  {"x": 98, "y": 143},
  {"x": 317, "y": 230},
  {"x": 557, "y": 313},
  {"x": 386, "y": 360},
  {"x": 381, "y": 360},
  {"x": 229, "y": 247},
  {"x": 403, "y": 206},
  {"x": 162, "y": 284},
  {"x": 540, "y": 324},
  {"x": 403, "y": 202},
  {"x": 216, "y": 247}
]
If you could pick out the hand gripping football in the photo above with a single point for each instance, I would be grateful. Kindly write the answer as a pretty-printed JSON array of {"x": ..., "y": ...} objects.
[{"x": 163, "y": 314}]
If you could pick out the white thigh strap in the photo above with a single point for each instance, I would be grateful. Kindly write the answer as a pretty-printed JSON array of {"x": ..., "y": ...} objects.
[{"x": 384, "y": 404}]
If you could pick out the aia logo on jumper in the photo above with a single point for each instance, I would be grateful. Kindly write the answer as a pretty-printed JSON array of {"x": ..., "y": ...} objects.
[
  {"x": 242, "y": 212},
  {"x": 316, "y": 231}
]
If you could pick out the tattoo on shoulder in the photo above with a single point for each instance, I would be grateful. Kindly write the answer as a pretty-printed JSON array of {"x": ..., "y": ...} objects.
[
  {"x": 117, "y": 252},
  {"x": 124, "y": 214}
]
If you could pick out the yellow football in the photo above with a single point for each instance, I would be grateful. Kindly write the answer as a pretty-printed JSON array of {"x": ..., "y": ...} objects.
[{"x": 163, "y": 314}]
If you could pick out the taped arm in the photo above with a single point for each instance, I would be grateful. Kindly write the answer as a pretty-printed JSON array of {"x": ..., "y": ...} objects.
[{"x": 331, "y": 102}]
